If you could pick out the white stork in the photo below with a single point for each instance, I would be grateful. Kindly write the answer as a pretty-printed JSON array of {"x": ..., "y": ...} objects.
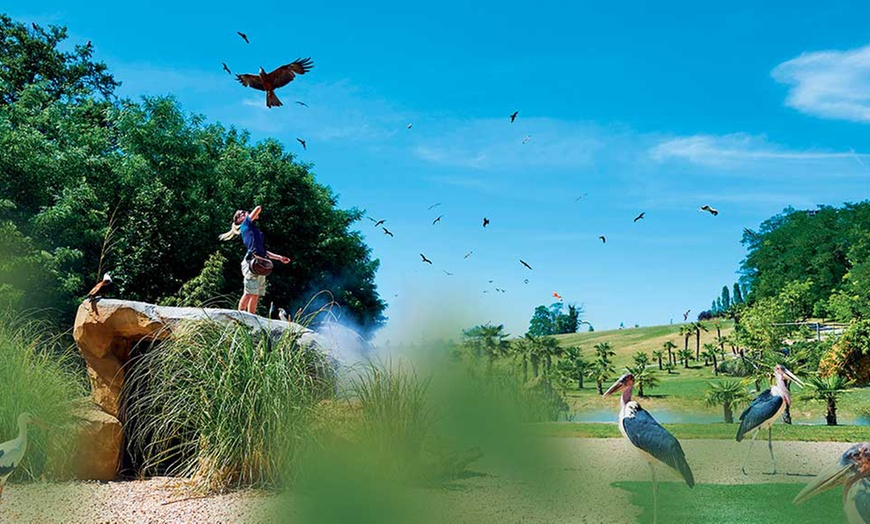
[
  {"x": 852, "y": 473},
  {"x": 764, "y": 411},
  {"x": 12, "y": 452},
  {"x": 649, "y": 437}
]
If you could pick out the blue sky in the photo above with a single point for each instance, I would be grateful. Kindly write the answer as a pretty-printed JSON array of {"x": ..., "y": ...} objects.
[{"x": 654, "y": 108}]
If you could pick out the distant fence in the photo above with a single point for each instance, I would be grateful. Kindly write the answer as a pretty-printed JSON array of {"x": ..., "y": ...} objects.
[{"x": 829, "y": 328}]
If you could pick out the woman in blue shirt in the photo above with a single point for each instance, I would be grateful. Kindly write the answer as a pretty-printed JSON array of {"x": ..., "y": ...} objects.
[{"x": 255, "y": 285}]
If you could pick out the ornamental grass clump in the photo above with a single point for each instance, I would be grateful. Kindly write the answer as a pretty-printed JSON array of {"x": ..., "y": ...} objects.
[
  {"x": 224, "y": 406},
  {"x": 40, "y": 375}
]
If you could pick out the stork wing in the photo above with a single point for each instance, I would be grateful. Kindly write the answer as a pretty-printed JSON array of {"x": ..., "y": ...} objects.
[
  {"x": 762, "y": 408},
  {"x": 6, "y": 466},
  {"x": 647, "y": 434},
  {"x": 251, "y": 81},
  {"x": 286, "y": 73},
  {"x": 861, "y": 499}
]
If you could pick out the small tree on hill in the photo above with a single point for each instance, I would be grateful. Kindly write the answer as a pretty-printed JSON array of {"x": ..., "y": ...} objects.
[{"x": 728, "y": 394}]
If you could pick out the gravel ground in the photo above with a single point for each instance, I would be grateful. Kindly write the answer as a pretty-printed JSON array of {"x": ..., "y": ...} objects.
[{"x": 572, "y": 485}]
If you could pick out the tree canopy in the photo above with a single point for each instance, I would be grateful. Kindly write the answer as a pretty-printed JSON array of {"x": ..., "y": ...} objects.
[{"x": 90, "y": 183}]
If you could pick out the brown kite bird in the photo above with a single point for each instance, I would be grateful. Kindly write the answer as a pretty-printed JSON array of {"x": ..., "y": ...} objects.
[{"x": 280, "y": 77}]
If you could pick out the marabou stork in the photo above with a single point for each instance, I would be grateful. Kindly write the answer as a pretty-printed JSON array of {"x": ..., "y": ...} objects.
[
  {"x": 649, "y": 437},
  {"x": 852, "y": 473},
  {"x": 12, "y": 452},
  {"x": 764, "y": 410}
]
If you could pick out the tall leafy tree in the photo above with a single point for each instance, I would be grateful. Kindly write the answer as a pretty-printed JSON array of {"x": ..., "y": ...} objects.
[{"x": 828, "y": 390}]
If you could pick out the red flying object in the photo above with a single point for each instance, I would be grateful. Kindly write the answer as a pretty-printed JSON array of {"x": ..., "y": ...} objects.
[{"x": 557, "y": 295}]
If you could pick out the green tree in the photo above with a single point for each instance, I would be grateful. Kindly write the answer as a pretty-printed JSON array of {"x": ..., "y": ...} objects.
[
  {"x": 685, "y": 354},
  {"x": 710, "y": 354},
  {"x": 486, "y": 341},
  {"x": 659, "y": 354},
  {"x": 600, "y": 371},
  {"x": 725, "y": 299},
  {"x": 542, "y": 322},
  {"x": 697, "y": 327},
  {"x": 644, "y": 377},
  {"x": 573, "y": 366},
  {"x": 669, "y": 346},
  {"x": 738, "y": 296},
  {"x": 603, "y": 350},
  {"x": 727, "y": 393},
  {"x": 828, "y": 390},
  {"x": 641, "y": 358}
]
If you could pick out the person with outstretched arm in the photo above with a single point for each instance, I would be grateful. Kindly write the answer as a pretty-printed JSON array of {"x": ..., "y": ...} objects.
[{"x": 254, "y": 285}]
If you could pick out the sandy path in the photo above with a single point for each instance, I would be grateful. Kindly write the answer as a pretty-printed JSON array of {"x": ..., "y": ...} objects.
[{"x": 572, "y": 485}]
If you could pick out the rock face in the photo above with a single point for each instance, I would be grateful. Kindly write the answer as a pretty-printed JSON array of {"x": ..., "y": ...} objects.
[{"x": 106, "y": 333}]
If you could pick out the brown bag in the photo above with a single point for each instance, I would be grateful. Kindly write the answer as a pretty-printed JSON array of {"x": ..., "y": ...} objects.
[{"x": 260, "y": 265}]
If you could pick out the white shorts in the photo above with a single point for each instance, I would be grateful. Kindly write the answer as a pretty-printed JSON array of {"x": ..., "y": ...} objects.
[{"x": 254, "y": 284}]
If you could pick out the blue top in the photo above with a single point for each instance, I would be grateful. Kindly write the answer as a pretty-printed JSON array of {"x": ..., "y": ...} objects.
[{"x": 252, "y": 237}]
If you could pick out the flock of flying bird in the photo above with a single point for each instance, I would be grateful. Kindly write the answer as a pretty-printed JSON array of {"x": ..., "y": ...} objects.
[{"x": 654, "y": 442}]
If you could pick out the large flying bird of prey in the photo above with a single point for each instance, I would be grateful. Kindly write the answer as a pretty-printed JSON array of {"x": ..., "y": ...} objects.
[
  {"x": 278, "y": 78},
  {"x": 686, "y": 315},
  {"x": 301, "y": 103},
  {"x": 227, "y": 69},
  {"x": 709, "y": 209},
  {"x": 433, "y": 206},
  {"x": 303, "y": 143},
  {"x": 638, "y": 217},
  {"x": 244, "y": 36},
  {"x": 523, "y": 262},
  {"x": 388, "y": 232},
  {"x": 485, "y": 221},
  {"x": 425, "y": 259},
  {"x": 603, "y": 239},
  {"x": 514, "y": 116},
  {"x": 437, "y": 219}
]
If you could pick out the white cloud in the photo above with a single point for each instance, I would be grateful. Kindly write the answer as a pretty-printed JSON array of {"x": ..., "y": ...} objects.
[
  {"x": 829, "y": 84},
  {"x": 739, "y": 149}
]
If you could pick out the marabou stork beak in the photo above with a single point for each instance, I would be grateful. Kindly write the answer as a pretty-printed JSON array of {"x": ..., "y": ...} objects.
[
  {"x": 791, "y": 377},
  {"x": 824, "y": 482},
  {"x": 618, "y": 385}
]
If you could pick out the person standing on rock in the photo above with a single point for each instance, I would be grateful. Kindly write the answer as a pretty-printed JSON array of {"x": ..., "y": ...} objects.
[{"x": 254, "y": 284}]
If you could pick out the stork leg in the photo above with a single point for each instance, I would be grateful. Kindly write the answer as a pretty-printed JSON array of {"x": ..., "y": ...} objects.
[
  {"x": 743, "y": 467},
  {"x": 770, "y": 447},
  {"x": 655, "y": 493}
]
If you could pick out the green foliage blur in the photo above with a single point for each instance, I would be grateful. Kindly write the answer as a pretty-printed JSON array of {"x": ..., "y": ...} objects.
[
  {"x": 552, "y": 321},
  {"x": 91, "y": 183}
]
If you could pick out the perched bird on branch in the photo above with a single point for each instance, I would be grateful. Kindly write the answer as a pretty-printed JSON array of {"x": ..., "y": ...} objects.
[
  {"x": 514, "y": 116},
  {"x": 710, "y": 210},
  {"x": 523, "y": 262},
  {"x": 278, "y": 78},
  {"x": 425, "y": 259},
  {"x": 638, "y": 217},
  {"x": 244, "y": 36}
]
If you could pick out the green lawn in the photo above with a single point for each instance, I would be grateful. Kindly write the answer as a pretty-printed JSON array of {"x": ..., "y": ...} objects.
[
  {"x": 734, "y": 504},
  {"x": 709, "y": 431}
]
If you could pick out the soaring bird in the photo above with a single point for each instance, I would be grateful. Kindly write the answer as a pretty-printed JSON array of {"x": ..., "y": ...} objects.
[
  {"x": 523, "y": 262},
  {"x": 282, "y": 314},
  {"x": 686, "y": 315},
  {"x": 525, "y": 281},
  {"x": 485, "y": 221},
  {"x": 764, "y": 410},
  {"x": 514, "y": 116},
  {"x": 278, "y": 78},
  {"x": 425, "y": 259},
  {"x": 101, "y": 287},
  {"x": 409, "y": 126},
  {"x": 603, "y": 239},
  {"x": 303, "y": 104},
  {"x": 244, "y": 36},
  {"x": 436, "y": 204},
  {"x": 388, "y": 232},
  {"x": 468, "y": 254},
  {"x": 304, "y": 147},
  {"x": 448, "y": 273},
  {"x": 647, "y": 436},
  {"x": 709, "y": 209},
  {"x": 852, "y": 473},
  {"x": 437, "y": 219},
  {"x": 227, "y": 69},
  {"x": 581, "y": 196},
  {"x": 12, "y": 452},
  {"x": 527, "y": 139},
  {"x": 379, "y": 222},
  {"x": 638, "y": 217}
]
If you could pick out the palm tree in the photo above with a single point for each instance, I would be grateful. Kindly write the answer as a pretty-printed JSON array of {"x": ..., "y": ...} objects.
[
  {"x": 573, "y": 366},
  {"x": 669, "y": 347},
  {"x": 603, "y": 350},
  {"x": 641, "y": 359},
  {"x": 659, "y": 354},
  {"x": 718, "y": 325},
  {"x": 643, "y": 376},
  {"x": 600, "y": 371},
  {"x": 728, "y": 393},
  {"x": 686, "y": 332},
  {"x": 548, "y": 347},
  {"x": 685, "y": 354},
  {"x": 696, "y": 329},
  {"x": 710, "y": 352},
  {"x": 827, "y": 389},
  {"x": 487, "y": 340}
]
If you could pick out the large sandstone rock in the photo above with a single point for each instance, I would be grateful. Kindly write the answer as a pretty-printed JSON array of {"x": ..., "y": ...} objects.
[
  {"x": 98, "y": 443},
  {"x": 107, "y": 331}
]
